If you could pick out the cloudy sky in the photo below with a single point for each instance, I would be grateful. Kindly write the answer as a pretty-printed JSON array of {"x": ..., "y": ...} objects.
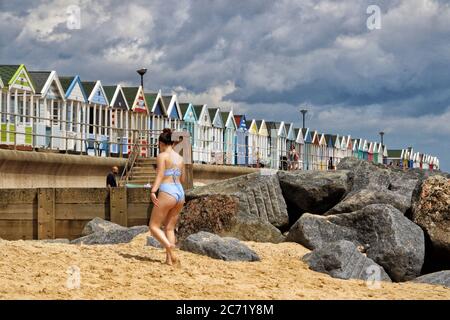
[{"x": 266, "y": 59}]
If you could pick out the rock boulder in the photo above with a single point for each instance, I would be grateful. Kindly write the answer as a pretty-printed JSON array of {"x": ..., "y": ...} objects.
[
  {"x": 222, "y": 215},
  {"x": 211, "y": 245},
  {"x": 342, "y": 260},
  {"x": 388, "y": 237}
]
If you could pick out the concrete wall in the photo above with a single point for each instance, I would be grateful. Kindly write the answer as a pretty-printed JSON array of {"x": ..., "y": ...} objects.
[
  {"x": 25, "y": 169},
  {"x": 28, "y": 169},
  {"x": 206, "y": 173}
]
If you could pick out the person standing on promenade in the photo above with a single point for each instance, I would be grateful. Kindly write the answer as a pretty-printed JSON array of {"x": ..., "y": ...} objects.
[
  {"x": 170, "y": 175},
  {"x": 111, "y": 177}
]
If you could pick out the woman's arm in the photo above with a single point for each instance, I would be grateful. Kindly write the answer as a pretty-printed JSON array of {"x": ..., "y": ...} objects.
[
  {"x": 183, "y": 173},
  {"x": 160, "y": 167}
]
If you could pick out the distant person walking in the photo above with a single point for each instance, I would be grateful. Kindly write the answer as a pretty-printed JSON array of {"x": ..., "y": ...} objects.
[
  {"x": 169, "y": 202},
  {"x": 293, "y": 158},
  {"x": 111, "y": 177}
]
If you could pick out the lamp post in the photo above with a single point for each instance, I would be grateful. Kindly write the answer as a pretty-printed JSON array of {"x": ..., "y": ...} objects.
[
  {"x": 382, "y": 135},
  {"x": 141, "y": 72},
  {"x": 303, "y": 111}
]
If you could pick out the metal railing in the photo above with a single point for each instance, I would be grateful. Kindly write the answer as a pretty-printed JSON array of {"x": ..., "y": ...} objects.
[
  {"x": 113, "y": 142},
  {"x": 130, "y": 164}
]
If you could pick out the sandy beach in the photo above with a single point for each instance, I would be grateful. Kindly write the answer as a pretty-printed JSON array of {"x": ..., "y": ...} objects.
[{"x": 35, "y": 270}]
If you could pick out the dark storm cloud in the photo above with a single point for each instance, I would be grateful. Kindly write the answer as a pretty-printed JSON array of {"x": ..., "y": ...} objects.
[{"x": 276, "y": 54}]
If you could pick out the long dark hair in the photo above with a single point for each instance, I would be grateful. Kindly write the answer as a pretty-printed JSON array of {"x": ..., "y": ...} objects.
[{"x": 166, "y": 137}]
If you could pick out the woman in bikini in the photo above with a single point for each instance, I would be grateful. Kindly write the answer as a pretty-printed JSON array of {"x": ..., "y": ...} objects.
[{"x": 169, "y": 202}]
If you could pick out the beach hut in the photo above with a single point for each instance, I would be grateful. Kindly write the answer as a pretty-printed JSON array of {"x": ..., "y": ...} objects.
[
  {"x": 157, "y": 119},
  {"x": 375, "y": 152},
  {"x": 355, "y": 148},
  {"x": 174, "y": 117},
  {"x": 76, "y": 110},
  {"x": 334, "y": 152},
  {"x": 308, "y": 150},
  {"x": 51, "y": 105},
  {"x": 315, "y": 150},
  {"x": 381, "y": 154},
  {"x": 278, "y": 135},
  {"x": 216, "y": 136},
  {"x": 263, "y": 148},
  {"x": 370, "y": 146},
  {"x": 190, "y": 121},
  {"x": 229, "y": 136},
  {"x": 138, "y": 121},
  {"x": 118, "y": 115},
  {"x": 98, "y": 107},
  {"x": 300, "y": 147},
  {"x": 348, "y": 146},
  {"x": 241, "y": 140},
  {"x": 291, "y": 136},
  {"x": 252, "y": 141},
  {"x": 394, "y": 157},
  {"x": 204, "y": 136},
  {"x": 323, "y": 152},
  {"x": 17, "y": 101}
]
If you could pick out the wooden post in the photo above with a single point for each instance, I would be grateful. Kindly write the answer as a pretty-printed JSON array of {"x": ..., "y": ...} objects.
[
  {"x": 118, "y": 206},
  {"x": 46, "y": 213}
]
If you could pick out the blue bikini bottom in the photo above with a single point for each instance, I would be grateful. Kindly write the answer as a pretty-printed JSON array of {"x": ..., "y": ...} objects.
[{"x": 174, "y": 189}]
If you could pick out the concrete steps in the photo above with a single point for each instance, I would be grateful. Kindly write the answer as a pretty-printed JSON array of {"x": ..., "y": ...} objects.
[{"x": 143, "y": 172}]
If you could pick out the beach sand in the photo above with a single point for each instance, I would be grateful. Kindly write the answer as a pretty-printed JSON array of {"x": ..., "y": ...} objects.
[{"x": 35, "y": 270}]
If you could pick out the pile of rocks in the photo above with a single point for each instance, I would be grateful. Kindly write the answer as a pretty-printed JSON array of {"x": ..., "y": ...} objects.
[{"x": 362, "y": 216}]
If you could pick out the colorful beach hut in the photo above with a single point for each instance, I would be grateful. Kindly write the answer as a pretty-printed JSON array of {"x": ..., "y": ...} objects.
[
  {"x": 76, "y": 110},
  {"x": 204, "y": 136},
  {"x": 229, "y": 136},
  {"x": 263, "y": 148},
  {"x": 16, "y": 102},
  {"x": 51, "y": 106},
  {"x": 118, "y": 119},
  {"x": 241, "y": 140},
  {"x": 216, "y": 136}
]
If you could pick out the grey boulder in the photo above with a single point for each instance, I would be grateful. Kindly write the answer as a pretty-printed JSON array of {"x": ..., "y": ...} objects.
[
  {"x": 342, "y": 260},
  {"x": 99, "y": 224},
  {"x": 152, "y": 242},
  {"x": 222, "y": 214},
  {"x": 114, "y": 236},
  {"x": 259, "y": 196},
  {"x": 431, "y": 211},
  {"x": 388, "y": 237},
  {"x": 211, "y": 245},
  {"x": 313, "y": 191},
  {"x": 441, "y": 278},
  {"x": 376, "y": 184}
]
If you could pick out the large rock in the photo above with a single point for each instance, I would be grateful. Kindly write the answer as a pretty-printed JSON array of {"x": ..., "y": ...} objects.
[
  {"x": 114, "y": 236},
  {"x": 211, "y": 245},
  {"x": 431, "y": 211},
  {"x": 152, "y": 242},
  {"x": 388, "y": 237},
  {"x": 98, "y": 224},
  {"x": 259, "y": 196},
  {"x": 441, "y": 278},
  {"x": 374, "y": 183},
  {"x": 342, "y": 260},
  {"x": 220, "y": 214},
  {"x": 313, "y": 191}
]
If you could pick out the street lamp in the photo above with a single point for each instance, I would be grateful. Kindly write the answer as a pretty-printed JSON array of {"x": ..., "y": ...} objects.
[
  {"x": 303, "y": 111},
  {"x": 382, "y": 135},
  {"x": 141, "y": 72}
]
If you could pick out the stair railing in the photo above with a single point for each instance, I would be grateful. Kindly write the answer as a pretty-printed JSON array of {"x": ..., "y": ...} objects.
[{"x": 134, "y": 154}]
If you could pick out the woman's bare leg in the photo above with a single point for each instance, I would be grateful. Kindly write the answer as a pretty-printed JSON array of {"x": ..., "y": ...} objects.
[
  {"x": 170, "y": 224},
  {"x": 159, "y": 214}
]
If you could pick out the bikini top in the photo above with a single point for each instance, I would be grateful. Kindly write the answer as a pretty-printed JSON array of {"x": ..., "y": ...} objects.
[{"x": 174, "y": 171}]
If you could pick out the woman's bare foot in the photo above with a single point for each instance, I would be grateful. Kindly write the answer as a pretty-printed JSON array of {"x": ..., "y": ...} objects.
[{"x": 172, "y": 257}]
